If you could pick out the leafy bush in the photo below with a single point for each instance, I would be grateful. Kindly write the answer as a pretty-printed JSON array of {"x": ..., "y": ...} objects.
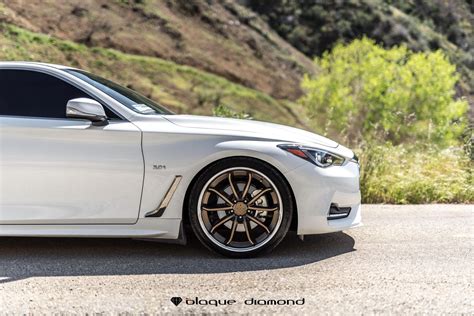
[
  {"x": 224, "y": 111},
  {"x": 370, "y": 93},
  {"x": 407, "y": 174}
]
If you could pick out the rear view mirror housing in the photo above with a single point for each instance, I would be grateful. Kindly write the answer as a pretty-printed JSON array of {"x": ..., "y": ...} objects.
[{"x": 88, "y": 109}]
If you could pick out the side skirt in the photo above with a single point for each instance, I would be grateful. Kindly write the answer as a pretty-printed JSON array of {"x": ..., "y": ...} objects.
[{"x": 156, "y": 228}]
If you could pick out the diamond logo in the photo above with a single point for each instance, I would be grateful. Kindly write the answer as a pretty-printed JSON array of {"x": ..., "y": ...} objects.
[{"x": 176, "y": 300}]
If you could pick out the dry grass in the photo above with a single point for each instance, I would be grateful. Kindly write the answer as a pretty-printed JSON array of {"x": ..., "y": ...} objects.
[{"x": 416, "y": 174}]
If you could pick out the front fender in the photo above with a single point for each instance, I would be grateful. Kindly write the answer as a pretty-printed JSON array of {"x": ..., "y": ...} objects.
[{"x": 186, "y": 156}]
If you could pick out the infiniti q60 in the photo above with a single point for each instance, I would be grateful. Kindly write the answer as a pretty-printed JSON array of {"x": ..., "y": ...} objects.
[{"x": 81, "y": 156}]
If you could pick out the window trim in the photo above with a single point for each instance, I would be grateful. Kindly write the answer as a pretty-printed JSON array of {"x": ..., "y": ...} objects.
[{"x": 67, "y": 81}]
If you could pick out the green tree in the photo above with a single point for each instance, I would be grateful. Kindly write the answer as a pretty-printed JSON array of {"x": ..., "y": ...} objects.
[{"x": 365, "y": 92}]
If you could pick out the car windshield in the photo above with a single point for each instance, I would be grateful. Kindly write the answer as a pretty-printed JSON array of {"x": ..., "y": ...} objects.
[{"x": 126, "y": 96}]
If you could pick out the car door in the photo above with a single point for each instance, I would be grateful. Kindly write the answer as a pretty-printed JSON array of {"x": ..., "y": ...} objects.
[{"x": 57, "y": 170}]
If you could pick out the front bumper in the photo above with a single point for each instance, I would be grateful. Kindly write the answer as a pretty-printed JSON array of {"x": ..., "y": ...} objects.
[{"x": 316, "y": 188}]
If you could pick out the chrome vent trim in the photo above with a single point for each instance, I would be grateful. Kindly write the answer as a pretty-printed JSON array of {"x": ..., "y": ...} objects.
[{"x": 158, "y": 212}]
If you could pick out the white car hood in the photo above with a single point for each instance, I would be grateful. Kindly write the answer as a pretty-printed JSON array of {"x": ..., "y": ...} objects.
[{"x": 260, "y": 129}]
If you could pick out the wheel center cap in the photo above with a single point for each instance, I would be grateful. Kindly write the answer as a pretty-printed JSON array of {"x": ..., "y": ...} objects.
[{"x": 240, "y": 208}]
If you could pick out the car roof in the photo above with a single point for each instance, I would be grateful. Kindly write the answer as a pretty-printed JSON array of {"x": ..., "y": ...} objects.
[{"x": 33, "y": 63}]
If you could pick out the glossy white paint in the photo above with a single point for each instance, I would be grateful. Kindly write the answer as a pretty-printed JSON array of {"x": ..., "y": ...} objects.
[
  {"x": 255, "y": 129},
  {"x": 68, "y": 172}
]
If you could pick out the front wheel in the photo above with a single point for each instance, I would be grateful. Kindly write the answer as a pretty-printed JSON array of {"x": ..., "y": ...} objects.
[{"x": 240, "y": 207}]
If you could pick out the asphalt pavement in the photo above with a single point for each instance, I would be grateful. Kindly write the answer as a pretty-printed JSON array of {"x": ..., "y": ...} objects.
[{"x": 404, "y": 260}]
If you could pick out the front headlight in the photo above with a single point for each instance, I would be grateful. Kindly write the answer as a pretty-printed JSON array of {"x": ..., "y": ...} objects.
[{"x": 319, "y": 157}]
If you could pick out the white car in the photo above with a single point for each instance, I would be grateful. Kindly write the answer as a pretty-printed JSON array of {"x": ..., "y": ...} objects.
[{"x": 81, "y": 156}]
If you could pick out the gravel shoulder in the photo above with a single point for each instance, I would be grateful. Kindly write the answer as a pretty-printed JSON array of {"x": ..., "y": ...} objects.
[{"x": 405, "y": 259}]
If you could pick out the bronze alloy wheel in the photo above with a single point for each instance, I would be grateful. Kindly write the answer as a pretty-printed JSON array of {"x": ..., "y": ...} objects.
[{"x": 239, "y": 209}]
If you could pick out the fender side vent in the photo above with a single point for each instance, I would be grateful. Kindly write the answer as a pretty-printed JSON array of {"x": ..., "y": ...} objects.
[
  {"x": 336, "y": 212},
  {"x": 166, "y": 199}
]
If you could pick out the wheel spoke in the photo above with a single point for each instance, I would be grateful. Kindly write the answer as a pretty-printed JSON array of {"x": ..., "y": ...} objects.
[
  {"x": 247, "y": 231},
  {"x": 222, "y": 221},
  {"x": 247, "y": 186},
  {"x": 263, "y": 209},
  {"x": 234, "y": 226},
  {"x": 256, "y": 221},
  {"x": 221, "y": 196},
  {"x": 216, "y": 209},
  {"x": 255, "y": 198},
  {"x": 232, "y": 187}
]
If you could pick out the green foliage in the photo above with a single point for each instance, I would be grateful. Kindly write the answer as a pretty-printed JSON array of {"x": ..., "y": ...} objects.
[
  {"x": 131, "y": 2},
  {"x": 450, "y": 18},
  {"x": 223, "y": 111},
  {"x": 407, "y": 174},
  {"x": 369, "y": 93},
  {"x": 468, "y": 142}
]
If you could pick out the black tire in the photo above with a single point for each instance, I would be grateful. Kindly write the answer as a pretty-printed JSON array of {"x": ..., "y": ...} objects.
[{"x": 265, "y": 185}]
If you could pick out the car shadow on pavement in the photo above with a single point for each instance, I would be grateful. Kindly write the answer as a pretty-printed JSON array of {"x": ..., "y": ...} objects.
[{"x": 22, "y": 258}]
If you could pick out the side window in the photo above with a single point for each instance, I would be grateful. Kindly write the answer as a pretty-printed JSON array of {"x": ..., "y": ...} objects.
[{"x": 35, "y": 94}]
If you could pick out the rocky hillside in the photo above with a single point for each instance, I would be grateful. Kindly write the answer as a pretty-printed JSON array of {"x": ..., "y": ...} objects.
[{"x": 223, "y": 38}]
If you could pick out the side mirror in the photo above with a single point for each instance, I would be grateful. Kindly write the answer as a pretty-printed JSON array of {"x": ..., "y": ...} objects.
[{"x": 88, "y": 109}]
